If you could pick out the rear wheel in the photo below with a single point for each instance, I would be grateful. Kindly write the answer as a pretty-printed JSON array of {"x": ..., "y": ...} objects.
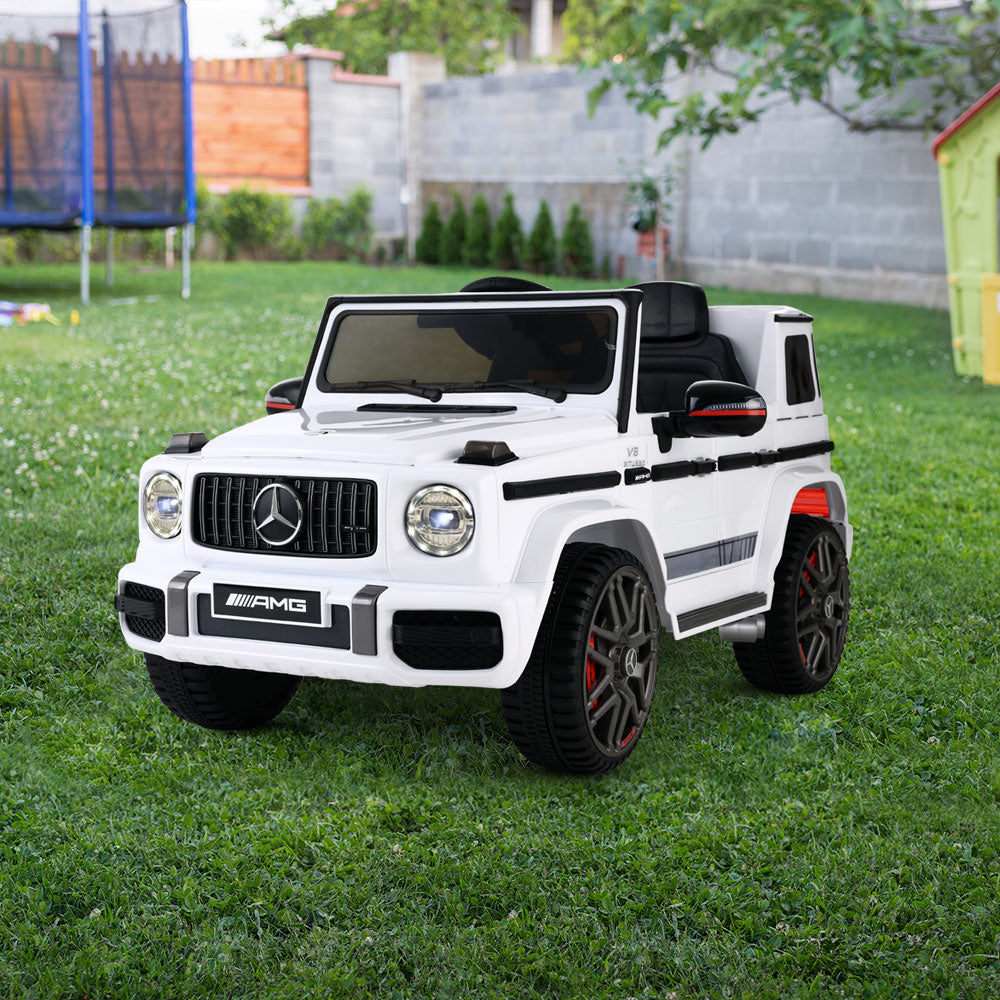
[
  {"x": 220, "y": 697},
  {"x": 806, "y": 627},
  {"x": 584, "y": 697}
]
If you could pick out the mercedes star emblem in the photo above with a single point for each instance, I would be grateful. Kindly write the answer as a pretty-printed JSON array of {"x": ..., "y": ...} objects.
[{"x": 277, "y": 514}]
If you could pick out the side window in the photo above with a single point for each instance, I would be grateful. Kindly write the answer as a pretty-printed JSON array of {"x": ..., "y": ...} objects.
[{"x": 800, "y": 386}]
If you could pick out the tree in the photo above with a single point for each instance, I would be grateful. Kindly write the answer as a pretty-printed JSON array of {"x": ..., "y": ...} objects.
[
  {"x": 542, "y": 251},
  {"x": 577, "y": 244},
  {"x": 469, "y": 36},
  {"x": 453, "y": 241},
  {"x": 478, "y": 233},
  {"x": 428, "y": 246},
  {"x": 508, "y": 237},
  {"x": 911, "y": 65}
]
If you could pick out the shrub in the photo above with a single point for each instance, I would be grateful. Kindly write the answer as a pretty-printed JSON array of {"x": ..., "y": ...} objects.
[
  {"x": 507, "y": 244},
  {"x": 340, "y": 230},
  {"x": 543, "y": 250},
  {"x": 252, "y": 221},
  {"x": 478, "y": 233},
  {"x": 577, "y": 244},
  {"x": 428, "y": 248},
  {"x": 605, "y": 271},
  {"x": 453, "y": 241}
]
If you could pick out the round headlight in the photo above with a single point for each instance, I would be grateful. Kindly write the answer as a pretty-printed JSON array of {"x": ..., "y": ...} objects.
[
  {"x": 439, "y": 520},
  {"x": 161, "y": 505}
]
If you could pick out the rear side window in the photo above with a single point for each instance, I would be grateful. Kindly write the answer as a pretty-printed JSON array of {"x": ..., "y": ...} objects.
[{"x": 800, "y": 385}]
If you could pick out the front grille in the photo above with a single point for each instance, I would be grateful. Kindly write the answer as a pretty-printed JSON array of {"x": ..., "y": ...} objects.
[
  {"x": 152, "y": 624},
  {"x": 338, "y": 515},
  {"x": 447, "y": 640}
]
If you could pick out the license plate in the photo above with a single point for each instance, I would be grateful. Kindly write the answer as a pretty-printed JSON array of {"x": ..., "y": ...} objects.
[{"x": 266, "y": 604}]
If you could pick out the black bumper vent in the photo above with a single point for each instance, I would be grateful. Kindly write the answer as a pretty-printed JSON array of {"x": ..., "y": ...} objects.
[
  {"x": 339, "y": 518},
  {"x": 144, "y": 611},
  {"x": 447, "y": 640}
]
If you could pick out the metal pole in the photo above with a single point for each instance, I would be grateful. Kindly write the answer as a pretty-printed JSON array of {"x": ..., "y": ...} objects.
[
  {"x": 109, "y": 273},
  {"x": 85, "y": 232},
  {"x": 187, "y": 239}
]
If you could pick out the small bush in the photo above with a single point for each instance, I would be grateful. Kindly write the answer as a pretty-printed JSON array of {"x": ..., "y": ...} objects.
[
  {"x": 507, "y": 244},
  {"x": 543, "y": 248},
  {"x": 478, "y": 233},
  {"x": 252, "y": 221},
  {"x": 453, "y": 241},
  {"x": 605, "y": 271},
  {"x": 428, "y": 248},
  {"x": 577, "y": 244},
  {"x": 339, "y": 230}
]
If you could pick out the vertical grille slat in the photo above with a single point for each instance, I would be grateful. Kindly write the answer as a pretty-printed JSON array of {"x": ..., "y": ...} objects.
[{"x": 339, "y": 515}]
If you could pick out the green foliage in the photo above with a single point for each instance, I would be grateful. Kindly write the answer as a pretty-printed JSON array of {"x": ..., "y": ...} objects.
[
  {"x": 542, "y": 252},
  {"x": 604, "y": 271},
  {"x": 479, "y": 233},
  {"x": 453, "y": 241},
  {"x": 888, "y": 49},
  {"x": 428, "y": 246},
  {"x": 577, "y": 244},
  {"x": 380, "y": 842},
  {"x": 507, "y": 244},
  {"x": 339, "y": 230},
  {"x": 251, "y": 221},
  {"x": 470, "y": 37}
]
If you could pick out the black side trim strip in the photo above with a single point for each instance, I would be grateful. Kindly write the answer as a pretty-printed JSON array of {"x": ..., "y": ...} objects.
[
  {"x": 741, "y": 460},
  {"x": 724, "y": 609},
  {"x": 177, "y": 602},
  {"x": 532, "y": 488},
  {"x": 792, "y": 318}
]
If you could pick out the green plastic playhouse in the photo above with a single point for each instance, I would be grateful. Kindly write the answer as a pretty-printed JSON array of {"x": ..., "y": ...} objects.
[{"x": 968, "y": 154}]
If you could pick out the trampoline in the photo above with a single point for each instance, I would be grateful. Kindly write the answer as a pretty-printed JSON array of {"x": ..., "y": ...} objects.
[{"x": 96, "y": 123}]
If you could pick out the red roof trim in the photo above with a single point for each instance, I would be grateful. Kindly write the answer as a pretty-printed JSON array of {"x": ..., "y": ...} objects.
[{"x": 963, "y": 119}]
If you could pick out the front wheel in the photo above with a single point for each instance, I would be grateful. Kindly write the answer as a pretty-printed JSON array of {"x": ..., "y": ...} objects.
[
  {"x": 220, "y": 697},
  {"x": 585, "y": 695},
  {"x": 806, "y": 627}
]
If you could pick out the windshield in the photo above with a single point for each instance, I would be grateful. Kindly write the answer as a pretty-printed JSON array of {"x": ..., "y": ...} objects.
[{"x": 569, "y": 349}]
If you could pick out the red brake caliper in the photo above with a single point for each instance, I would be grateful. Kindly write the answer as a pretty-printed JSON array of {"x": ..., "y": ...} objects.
[{"x": 591, "y": 671}]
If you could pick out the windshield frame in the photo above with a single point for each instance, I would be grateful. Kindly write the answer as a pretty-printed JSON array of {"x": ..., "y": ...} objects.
[{"x": 324, "y": 384}]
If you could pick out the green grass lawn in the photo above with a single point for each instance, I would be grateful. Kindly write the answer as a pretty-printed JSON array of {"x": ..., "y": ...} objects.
[{"x": 380, "y": 842}]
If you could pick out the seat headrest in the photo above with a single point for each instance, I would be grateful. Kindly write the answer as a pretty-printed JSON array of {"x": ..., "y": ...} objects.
[
  {"x": 504, "y": 283},
  {"x": 672, "y": 309}
]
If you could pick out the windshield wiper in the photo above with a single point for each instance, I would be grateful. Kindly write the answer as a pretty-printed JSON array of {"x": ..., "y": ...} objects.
[
  {"x": 521, "y": 385},
  {"x": 413, "y": 387}
]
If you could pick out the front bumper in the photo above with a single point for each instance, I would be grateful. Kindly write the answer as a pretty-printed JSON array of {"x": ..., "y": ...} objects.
[{"x": 370, "y": 604}]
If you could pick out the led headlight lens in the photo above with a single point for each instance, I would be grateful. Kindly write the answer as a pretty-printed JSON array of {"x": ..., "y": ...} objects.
[
  {"x": 162, "y": 506},
  {"x": 439, "y": 520}
]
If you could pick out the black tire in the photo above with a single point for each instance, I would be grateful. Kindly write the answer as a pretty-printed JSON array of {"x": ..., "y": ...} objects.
[
  {"x": 806, "y": 627},
  {"x": 220, "y": 697},
  {"x": 582, "y": 702}
]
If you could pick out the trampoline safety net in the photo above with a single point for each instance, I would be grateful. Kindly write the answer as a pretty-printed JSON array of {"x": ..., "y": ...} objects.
[{"x": 121, "y": 120}]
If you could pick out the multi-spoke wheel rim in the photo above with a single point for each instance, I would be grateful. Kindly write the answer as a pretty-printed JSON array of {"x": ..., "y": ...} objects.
[
  {"x": 621, "y": 657},
  {"x": 823, "y": 604}
]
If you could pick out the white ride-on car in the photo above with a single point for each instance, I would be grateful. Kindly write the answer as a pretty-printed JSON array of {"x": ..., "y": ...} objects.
[{"x": 507, "y": 487}]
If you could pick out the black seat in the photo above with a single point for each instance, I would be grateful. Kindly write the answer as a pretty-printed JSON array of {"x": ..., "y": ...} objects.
[{"x": 676, "y": 347}]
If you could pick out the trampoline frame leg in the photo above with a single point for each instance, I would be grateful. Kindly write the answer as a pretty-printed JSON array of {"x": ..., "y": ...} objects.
[
  {"x": 85, "y": 233},
  {"x": 187, "y": 240}
]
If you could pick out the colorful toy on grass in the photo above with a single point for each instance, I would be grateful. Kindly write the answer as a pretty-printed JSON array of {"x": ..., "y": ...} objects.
[
  {"x": 19, "y": 313},
  {"x": 509, "y": 488}
]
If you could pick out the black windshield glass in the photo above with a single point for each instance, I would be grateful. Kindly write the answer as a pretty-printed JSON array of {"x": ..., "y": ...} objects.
[{"x": 571, "y": 349}]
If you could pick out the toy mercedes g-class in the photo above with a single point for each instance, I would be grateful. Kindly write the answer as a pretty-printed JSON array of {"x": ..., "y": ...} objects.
[{"x": 507, "y": 487}]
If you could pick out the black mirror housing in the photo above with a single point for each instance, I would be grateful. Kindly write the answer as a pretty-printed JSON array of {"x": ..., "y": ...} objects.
[
  {"x": 284, "y": 396},
  {"x": 722, "y": 409}
]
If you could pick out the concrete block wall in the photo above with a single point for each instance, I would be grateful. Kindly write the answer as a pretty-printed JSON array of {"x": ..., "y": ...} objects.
[
  {"x": 793, "y": 203},
  {"x": 355, "y": 138}
]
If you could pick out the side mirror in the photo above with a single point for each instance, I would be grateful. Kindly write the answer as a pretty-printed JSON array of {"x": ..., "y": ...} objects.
[
  {"x": 284, "y": 396},
  {"x": 713, "y": 409},
  {"x": 722, "y": 409}
]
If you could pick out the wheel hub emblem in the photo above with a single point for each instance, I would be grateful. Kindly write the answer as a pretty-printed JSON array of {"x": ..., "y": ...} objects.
[
  {"x": 631, "y": 662},
  {"x": 828, "y": 607},
  {"x": 277, "y": 514}
]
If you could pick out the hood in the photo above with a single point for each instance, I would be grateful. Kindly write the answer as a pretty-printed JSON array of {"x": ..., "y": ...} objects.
[{"x": 408, "y": 438}]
